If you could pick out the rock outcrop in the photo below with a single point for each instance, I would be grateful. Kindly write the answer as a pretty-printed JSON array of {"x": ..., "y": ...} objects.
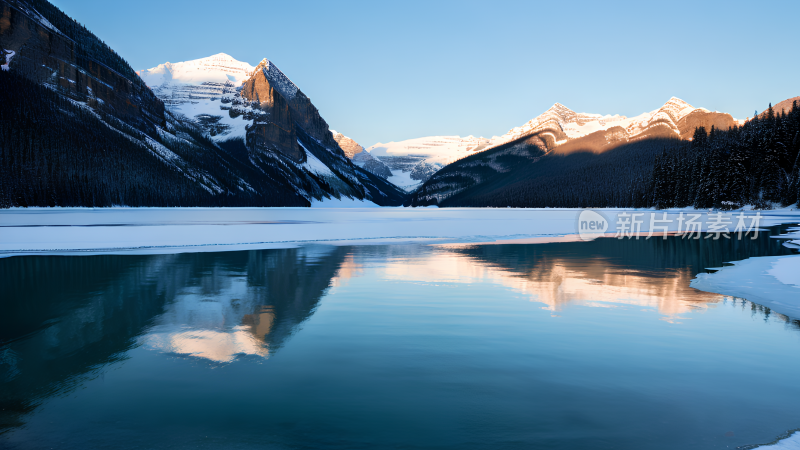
[
  {"x": 354, "y": 151},
  {"x": 349, "y": 146},
  {"x": 303, "y": 111},
  {"x": 285, "y": 106},
  {"x": 276, "y": 129}
]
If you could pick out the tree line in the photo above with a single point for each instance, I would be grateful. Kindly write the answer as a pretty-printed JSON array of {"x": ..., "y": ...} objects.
[{"x": 752, "y": 164}]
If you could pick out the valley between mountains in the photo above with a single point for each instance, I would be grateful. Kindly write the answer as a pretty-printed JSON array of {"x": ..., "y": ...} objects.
[{"x": 80, "y": 127}]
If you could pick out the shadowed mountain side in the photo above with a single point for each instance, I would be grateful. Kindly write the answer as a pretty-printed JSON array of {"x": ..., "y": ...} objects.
[
  {"x": 50, "y": 48},
  {"x": 93, "y": 309},
  {"x": 55, "y": 334},
  {"x": 477, "y": 170},
  {"x": 564, "y": 177},
  {"x": 79, "y": 127}
]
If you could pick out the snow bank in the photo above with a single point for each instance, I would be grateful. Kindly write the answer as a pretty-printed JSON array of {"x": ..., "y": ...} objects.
[
  {"x": 787, "y": 271},
  {"x": 403, "y": 180},
  {"x": 790, "y": 443},
  {"x": 771, "y": 281}
]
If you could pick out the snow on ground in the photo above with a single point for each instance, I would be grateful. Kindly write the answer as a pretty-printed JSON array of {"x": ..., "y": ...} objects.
[
  {"x": 212, "y": 107},
  {"x": 787, "y": 271},
  {"x": 344, "y": 202},
  {"x": 403, "y": 180},
  {"x": 772, "y": 281},
  {"x": 313, "y": 164},
  {"x": 790, "y": 443},
  {"x": 173, "y": 230}
]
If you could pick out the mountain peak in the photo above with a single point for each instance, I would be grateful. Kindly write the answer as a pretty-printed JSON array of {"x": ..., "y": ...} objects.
[
  {"x": 219, "y": 68},
  {"x": 676, "y": 108}
]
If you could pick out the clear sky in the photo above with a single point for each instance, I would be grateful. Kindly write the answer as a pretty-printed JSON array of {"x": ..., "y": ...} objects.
[{"x": 394, "y": 70}]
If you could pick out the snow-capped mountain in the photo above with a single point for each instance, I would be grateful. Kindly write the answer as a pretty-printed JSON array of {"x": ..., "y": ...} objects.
[
  {"x": 200, "y": 89},
  {"x": 560, "y": 125},
  {"x": 261, "y": 110},
  {"x": 439, "y": 149}
]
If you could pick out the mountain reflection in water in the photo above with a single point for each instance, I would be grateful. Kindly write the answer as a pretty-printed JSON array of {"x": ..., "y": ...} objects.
[
  {"x": 652, "y": 272},
  {"x": 65, "y": 318}
]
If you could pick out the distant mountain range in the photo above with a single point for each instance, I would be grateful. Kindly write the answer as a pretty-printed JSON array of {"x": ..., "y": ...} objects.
[
  {"x": 559, "y": 127},
  {"x": 567, "y": 159}
]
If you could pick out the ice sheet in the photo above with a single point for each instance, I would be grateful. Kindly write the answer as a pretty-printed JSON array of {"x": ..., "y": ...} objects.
[
  {"x": 755, "y": 279},
  {"x": 172, "y": 230},
  {"x": 790, "y": 443}
]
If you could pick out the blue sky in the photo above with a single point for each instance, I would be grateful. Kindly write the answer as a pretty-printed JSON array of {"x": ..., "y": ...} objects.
[{"x": 393, "y": 70}]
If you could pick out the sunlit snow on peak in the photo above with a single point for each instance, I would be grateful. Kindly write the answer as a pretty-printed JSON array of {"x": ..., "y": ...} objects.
[{"x": 216, "y": 68}]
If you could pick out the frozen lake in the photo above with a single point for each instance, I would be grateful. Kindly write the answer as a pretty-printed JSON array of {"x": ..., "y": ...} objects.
[
  {"x": 171, "y": 230},
  {"x": 447, "y": 343}
]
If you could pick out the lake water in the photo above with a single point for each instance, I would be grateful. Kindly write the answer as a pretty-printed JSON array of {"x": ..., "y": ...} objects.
[{"x": 564, "y": 345}]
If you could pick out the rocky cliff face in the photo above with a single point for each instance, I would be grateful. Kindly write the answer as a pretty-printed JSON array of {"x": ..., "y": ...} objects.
[
  {"x": 355, "y": 152},
  {"x": 349, "y": 146},
  {"x": 276, "y": 129},
  {"x": 46, "y": 55},
  {"x": 265, "y": 87},
  {"x": 303, "y": 111}
]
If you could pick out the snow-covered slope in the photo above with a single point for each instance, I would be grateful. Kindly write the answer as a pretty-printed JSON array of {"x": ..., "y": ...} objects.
[{"x": 203, "y": 89}]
